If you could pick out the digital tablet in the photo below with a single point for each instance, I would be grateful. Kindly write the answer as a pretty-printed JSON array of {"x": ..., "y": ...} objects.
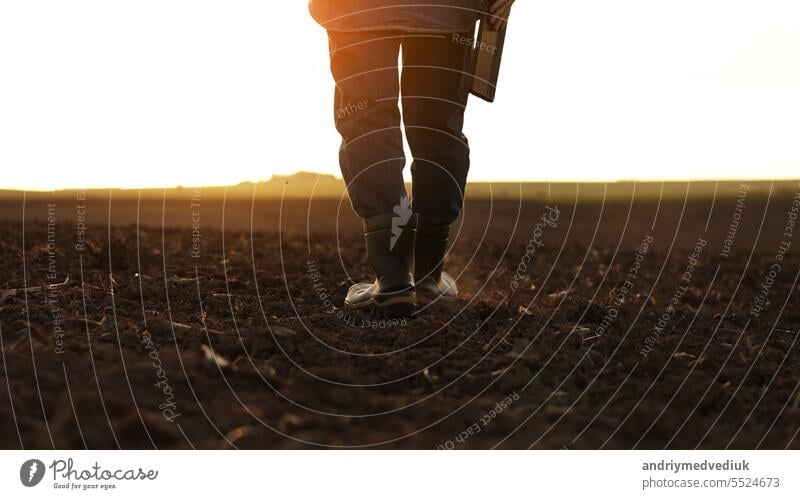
[{"x": 486, "y": 57}]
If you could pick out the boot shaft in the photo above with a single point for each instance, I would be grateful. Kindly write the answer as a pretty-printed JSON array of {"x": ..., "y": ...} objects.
[
  {"x": 390, "y": 249},
  {"x": 430, "y": 250}
]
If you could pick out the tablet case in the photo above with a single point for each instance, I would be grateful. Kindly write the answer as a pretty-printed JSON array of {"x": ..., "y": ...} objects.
[{"x": 486, "y": 57}]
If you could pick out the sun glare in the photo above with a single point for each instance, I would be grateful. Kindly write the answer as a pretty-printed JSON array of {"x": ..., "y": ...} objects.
[{"x": 185, "y": 93}]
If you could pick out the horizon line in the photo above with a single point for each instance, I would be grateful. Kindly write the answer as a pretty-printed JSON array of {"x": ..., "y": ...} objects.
[{"x": 282, "y": 177}]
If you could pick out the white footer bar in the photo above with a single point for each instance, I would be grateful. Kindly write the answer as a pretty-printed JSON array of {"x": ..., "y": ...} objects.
[{"x": 404, "y": 474}]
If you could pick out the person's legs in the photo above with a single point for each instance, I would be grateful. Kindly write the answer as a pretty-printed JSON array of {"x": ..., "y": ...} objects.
[
  {"x": 434, "y": 96},
  {"x": 364, "y": 66}
]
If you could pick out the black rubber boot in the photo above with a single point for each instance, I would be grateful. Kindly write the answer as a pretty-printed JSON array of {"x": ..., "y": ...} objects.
[
  {"x": 390, "y": 250},
  {"x": 432, "y": 283}
]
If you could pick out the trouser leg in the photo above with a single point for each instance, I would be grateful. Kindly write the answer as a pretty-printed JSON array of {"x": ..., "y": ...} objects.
[
  {"x": 434, "y": 97},
  {"x": 364, "y": 66}
]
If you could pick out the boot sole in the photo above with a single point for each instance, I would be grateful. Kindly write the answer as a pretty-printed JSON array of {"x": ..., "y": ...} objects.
[{"x": 397, "y": 307}]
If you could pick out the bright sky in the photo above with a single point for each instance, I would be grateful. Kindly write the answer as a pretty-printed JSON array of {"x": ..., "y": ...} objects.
[{"x": 207, "y": 92}]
